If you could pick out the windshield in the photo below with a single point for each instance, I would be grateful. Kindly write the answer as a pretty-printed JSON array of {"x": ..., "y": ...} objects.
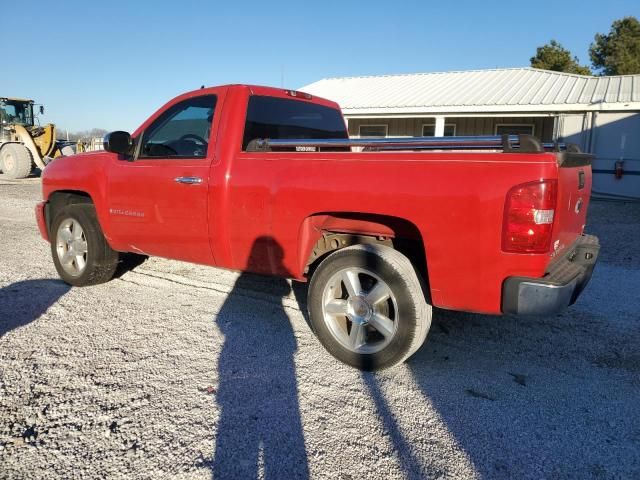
[{"x": 12, "y": 111}]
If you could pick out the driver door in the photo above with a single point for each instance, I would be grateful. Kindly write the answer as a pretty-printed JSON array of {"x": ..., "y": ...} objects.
[{"x": 158, "y": 201}]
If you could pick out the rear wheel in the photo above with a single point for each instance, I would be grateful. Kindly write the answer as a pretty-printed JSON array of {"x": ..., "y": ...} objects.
[
  {"x": 15, "y": 161},
  {"x": 80, "y": 252},
  {"x": 367, "y": 307}
]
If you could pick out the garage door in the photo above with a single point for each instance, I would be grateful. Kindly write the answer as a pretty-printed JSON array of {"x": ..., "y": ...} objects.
[{"x": 616, "y": 138}]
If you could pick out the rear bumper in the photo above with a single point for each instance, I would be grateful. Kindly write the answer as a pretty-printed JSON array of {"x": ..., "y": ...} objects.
[
  {"x": 560, "y": 286},
  {"x": 40, "y": 218}
]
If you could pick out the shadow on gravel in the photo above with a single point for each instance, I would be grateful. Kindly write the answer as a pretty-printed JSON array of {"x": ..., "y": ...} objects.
[
  {"x": 525, "y": 397},
  {"x": 617, "y": 224},
  {"x": 259, "y": 428},
  {"x": 411, "y": 466},
  {"x": 24, "y": 302}
]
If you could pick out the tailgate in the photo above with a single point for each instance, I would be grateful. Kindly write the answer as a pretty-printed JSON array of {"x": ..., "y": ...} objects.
[{"x": 574, "y": 191}]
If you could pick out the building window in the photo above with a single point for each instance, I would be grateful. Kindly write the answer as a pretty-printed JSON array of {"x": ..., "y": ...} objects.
[
  {"x": 515, "y": 129},
  {"x": 429, "y": 130},
  {"x": 373, "y": 131}
]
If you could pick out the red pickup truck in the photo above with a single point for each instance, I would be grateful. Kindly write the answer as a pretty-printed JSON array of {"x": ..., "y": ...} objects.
[{"x": 266, "y": 180}]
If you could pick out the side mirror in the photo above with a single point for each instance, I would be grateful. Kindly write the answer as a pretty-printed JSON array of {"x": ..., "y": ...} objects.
[
  {"x": 41, "y": 109},
  {"x": 117, "y": 142}
]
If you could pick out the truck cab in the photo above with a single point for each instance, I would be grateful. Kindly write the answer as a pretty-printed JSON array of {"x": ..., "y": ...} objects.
[{"x": 15, "y": 111}]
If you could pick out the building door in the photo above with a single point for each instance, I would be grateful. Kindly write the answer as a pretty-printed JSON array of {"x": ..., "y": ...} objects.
[{"x": 615, "y": 142}]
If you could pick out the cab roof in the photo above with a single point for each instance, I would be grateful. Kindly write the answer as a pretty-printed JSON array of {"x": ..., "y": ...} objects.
[
  {"x": 10, "y": 99},
  {"x": 267, "y": 91}
]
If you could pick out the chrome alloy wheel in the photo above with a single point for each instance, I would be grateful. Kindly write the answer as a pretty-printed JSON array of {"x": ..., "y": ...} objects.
[
  {"x": 71, "y": 246},
  {"x": 360, "y": 310}
]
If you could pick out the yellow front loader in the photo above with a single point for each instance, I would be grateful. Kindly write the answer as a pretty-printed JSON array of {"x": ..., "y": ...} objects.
[{"x": 23, "y": 144}]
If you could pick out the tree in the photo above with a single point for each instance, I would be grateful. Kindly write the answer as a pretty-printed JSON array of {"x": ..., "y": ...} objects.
[
  {"x": 618, "y": 53},
  {"x": 84, "y": 135},
  {"x": 553, "y": 56}
]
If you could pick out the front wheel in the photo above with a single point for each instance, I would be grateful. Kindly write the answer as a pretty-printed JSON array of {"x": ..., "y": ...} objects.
[
  {"x": 367, "y": 307},
  {"x": 80, "y": 252}
]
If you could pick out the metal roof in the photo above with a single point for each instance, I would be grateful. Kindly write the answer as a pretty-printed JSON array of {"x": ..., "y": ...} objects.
[{"x": 500, "y": 90}]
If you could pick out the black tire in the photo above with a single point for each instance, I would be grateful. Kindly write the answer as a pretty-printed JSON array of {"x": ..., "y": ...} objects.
[
  {"x": 413, "y": 318},
  {"x": 15, "y": 161},
  {"x": 101, "y": 260}
]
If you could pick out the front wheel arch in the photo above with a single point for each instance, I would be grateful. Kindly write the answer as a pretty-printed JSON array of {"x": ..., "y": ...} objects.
[{"x": 61, "y": 198}]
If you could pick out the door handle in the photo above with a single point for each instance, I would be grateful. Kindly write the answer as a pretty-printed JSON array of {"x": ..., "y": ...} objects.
[{"x": 189, "y": 180}]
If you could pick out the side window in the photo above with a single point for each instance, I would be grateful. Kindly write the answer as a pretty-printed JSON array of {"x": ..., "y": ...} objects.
[
  {"x": 514, "y": 129},
  {"x": 282, "y": 118},
  {"x": 429, "y": 130},
  {"x": 373, "y": 131},
  {"x": 182, "y": 131},
  {"x": 10, "y": 111}
]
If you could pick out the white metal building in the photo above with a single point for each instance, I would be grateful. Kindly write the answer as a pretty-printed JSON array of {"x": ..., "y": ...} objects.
[{"x": 600, "y": 114}]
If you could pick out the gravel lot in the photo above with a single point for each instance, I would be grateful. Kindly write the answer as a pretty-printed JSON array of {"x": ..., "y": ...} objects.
[{"x": 181, "y": 371}]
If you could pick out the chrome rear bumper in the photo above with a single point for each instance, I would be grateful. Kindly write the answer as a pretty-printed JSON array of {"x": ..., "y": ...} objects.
[{"x": 559, "y": 288}]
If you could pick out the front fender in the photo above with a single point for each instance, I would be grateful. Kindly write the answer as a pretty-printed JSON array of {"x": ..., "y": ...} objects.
[{"x": 85, "y": 173}]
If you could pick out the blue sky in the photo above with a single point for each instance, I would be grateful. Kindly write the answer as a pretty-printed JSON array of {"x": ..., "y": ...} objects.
[{"x": 111, "y": 64}]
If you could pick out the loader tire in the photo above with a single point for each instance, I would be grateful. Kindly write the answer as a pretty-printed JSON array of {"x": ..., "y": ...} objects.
[{"x": 15, "y": 161}]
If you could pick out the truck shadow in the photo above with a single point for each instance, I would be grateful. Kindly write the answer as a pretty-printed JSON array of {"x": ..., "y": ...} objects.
[
  {"x": 410, "y": 464},
  {"x": 259, "y": 432},
  {"x": 521, "y": 397},
  {"x": 23, "y": 302},
  {"x": 531, "y": 397}
]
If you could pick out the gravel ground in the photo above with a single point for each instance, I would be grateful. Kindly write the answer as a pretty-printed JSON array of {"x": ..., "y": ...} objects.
[{"x": 181, "y": 371}]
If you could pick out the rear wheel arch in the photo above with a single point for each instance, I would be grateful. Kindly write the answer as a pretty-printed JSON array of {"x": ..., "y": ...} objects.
[{"x": 324, "y": 233}]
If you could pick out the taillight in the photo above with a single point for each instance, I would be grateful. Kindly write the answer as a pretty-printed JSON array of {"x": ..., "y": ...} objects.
[{"x": 528, "y": 217}]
